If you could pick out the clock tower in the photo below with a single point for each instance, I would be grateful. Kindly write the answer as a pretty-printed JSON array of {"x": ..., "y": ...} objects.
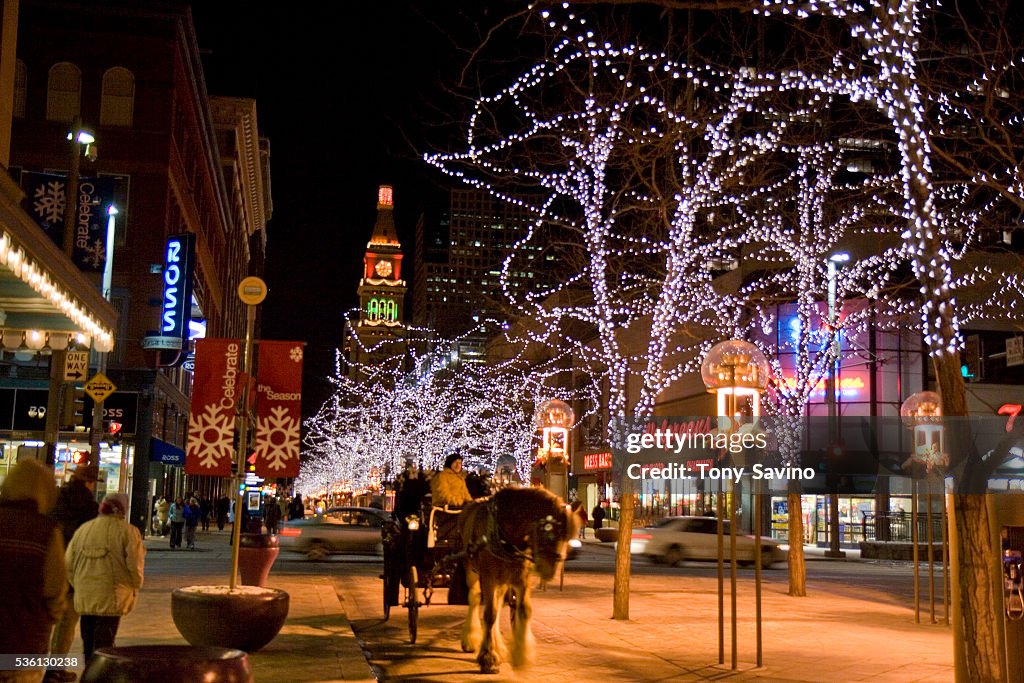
[{"x": 380, "y": 332}]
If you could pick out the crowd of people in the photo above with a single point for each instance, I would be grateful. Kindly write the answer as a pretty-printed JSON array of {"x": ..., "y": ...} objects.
[{"x": 68, "y": 562}]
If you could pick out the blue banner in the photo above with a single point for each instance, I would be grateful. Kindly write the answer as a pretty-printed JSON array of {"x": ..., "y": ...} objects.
[
  {"x": 46, "y": 203},
  {"x": 168, "y": 454}
]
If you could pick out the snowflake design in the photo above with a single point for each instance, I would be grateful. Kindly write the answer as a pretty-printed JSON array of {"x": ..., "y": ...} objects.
[
  {"x": 95, "y": 254},
  {"x": 295, "y": 354},
  {"x": 209, "y": 436},
  {"x": 277, "y": 438},
  {"x": 49, "y": 201}
]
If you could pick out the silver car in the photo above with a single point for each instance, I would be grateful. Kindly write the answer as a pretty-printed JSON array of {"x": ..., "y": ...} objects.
[
  {"x": 338, "y": 530},
  {"x": 675, "y": 539}
]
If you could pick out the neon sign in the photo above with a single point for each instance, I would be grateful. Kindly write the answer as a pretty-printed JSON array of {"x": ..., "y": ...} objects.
[
  {"x": 1011, "y": 410},
  {"x": 597, "y": 461},
  {"x": 847, "y": 386},
  {"x": 177, "y": 304}
]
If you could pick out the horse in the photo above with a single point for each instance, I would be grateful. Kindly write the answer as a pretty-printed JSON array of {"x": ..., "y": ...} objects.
[{"x": 504, "y": 536}]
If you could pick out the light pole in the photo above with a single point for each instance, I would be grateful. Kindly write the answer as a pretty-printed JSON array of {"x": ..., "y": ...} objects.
[
  {"x": 834, "y": 262},
  {"x": 922, "y": 413},
  {"x": 732, "y": 369},
  {"x": 554, "y": 419},
  {"x": 97, "y": 430}
]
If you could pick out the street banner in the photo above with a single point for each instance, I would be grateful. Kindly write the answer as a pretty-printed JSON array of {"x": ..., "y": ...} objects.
[
  {"x": 211, "y": 422},
  {"x": 46, "y": 202},
  {"x": 278, "y": 408}
]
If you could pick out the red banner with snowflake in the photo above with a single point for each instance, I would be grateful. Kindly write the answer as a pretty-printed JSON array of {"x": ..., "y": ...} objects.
[
  {"x": 215, "y": 392},
  {"x": 278, "y": 408}
]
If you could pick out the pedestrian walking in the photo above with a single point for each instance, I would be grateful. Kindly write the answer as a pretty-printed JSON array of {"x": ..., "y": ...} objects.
[
  {"x": 33, "y": 578},
  {"x": 192, "y": 515},
  {"x": 76, "y": 505},
  {"x": 297, "y": 510},
  {"x": 223, "y": 505},
  {"x": 597, "y": 514},
  {"x": 106, "y": 562},
  {"x": 163, "y": 513},
  {"x": 581, "y": 512},
  {"x": 205, "y": 505},
  {"x": 177, "y": 516},
  {"x": 272, "y": 516}
]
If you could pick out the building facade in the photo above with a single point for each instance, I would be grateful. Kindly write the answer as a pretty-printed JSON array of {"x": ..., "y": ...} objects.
[{"x": 191, "y": 184}]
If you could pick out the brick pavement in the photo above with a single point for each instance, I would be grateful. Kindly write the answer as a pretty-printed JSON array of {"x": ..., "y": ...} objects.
[
  {"x": 672, "y": 636},
  {"x": 316, "y": 643}
]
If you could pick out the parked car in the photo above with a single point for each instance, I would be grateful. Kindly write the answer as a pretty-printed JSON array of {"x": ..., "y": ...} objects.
[
  {"x": 337, "y": 530},
  {"x": 674, "y": 539}
]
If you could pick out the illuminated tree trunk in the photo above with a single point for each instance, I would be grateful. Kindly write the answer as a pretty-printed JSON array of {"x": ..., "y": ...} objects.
[
  {"x": 620, "y": 604},
  {"x": 797, "y": 565}
]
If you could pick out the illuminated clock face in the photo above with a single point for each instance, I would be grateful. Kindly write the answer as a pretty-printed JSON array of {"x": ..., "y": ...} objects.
[{"x": 383, "y": 268}]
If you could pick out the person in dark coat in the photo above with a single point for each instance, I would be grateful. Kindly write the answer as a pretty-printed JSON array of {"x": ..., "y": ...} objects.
[
  {"x": 223, "y": 505},
  {"x": 296, "y": 510},
  {"x": 76, "y": 505},
  {"x": 33, "y": 579},
  {"x": 271, "y": 516},
  {"x": 597, "y": 514}
]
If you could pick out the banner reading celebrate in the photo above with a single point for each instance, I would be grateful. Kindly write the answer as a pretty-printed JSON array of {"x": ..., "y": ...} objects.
[
  {"x": 211, "y": 422},
  {"x": 278, "y": 408}
]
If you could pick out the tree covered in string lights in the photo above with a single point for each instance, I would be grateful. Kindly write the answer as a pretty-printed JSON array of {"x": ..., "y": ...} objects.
[{"x": 418, "y": 407}]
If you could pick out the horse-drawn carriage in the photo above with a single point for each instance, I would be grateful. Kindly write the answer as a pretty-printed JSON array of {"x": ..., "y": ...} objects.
[
  {"x": 422, "y": 551},
  {"x": 499, "y": 539}
]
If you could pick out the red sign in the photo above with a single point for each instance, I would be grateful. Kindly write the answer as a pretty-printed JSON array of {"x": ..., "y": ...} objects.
[
  {"x": 597, "y": 461},
  {"x": 1012, "y": 410},
  {"x": 211, "y": 421},
  {"x": 278, "y": 408},
  {"x": 699, "y": 426}
]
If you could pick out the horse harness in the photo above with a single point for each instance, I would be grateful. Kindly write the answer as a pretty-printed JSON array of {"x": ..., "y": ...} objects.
[{"x": 549, "y": 528}]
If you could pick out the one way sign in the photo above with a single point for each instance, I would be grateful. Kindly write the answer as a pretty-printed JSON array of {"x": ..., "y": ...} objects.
[{"x": 76, "y": 366}]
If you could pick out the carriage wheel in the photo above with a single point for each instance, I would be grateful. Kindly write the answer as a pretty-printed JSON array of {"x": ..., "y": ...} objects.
[{"x": 413, "y": 604}]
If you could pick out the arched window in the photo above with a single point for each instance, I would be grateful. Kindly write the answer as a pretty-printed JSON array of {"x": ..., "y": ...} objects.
[
  {"x": 63, "y": 92},
  {"x": 117, "y": 104},
  {"x": 391, "y": 310},
  {"x": 373, "y": 310},
  {"x": 20, "y": 88}
]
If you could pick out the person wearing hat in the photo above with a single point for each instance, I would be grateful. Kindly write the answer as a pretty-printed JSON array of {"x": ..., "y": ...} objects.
[
  {"x": 33, "y": 581},
  {"x": 76, "y": 505},
  {"x": 448, "y": 487},
  {"x": 106, "y": 561}
]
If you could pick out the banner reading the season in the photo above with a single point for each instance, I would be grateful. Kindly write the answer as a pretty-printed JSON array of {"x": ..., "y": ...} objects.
[
  {"x": 278, "y": 408},
  {"x": 46, "y": 203},
  {"x": 211, "y": 422}
]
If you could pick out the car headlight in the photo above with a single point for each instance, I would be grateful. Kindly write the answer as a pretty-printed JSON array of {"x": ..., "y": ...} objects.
[
  {"x": 575, "y": 543},
  {"x": 412, "y": 522}
]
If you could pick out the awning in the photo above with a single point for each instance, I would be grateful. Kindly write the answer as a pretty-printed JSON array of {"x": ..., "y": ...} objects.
[
  {"x": 161, "y": 451},
  {"x": 43, "y": 296}
]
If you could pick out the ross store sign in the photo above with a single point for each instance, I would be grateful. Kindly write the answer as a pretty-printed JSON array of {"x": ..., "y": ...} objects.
[
  {"x": 179, "y": 258},
  {"x": 597, "y": 461}
]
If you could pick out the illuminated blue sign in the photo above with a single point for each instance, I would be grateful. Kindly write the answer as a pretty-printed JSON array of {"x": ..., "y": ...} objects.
[{"x": 177, "y": 303}]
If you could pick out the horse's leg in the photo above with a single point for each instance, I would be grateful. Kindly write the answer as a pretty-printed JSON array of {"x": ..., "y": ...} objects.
[
  {"x": 522, "y": 634},
  {"x": 472, "y": 633},
  {"x": 492, "y": 648}
]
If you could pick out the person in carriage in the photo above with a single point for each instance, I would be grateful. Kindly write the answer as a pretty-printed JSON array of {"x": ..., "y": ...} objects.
[{"x": 448, "y": 487}]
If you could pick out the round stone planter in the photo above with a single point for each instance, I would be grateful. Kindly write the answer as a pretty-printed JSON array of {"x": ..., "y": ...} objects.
[
  {"x": 246, "y": 618},
  {"x": 256, "y": 555},
  {"x": 607, "y": 534},
  {"x": 168, "y": 664}
]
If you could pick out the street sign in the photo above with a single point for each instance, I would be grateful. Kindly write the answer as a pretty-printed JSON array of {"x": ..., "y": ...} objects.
[
  {"x": 1014, "y": 351},
  {"x": 99, "y": 387},
  {"x": 252, "y": 290},
  {"x": 76, "y": 366}
]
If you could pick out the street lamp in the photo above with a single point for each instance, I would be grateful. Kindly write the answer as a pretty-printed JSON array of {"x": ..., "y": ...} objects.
[
  {"x": 922, "y": 413},
  {"x": 554, "y": 419},
  {"x": 83, "y": 143},
  {"x": 834, "y": 262},
  {"x": 730, "y": 370}
]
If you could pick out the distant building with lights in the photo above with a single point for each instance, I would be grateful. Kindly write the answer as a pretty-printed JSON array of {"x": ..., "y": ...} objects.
[{"x": 378, "y": 331}]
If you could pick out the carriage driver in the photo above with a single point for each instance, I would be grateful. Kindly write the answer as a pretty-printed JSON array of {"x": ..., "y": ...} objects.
[{"x": 448, "y": 487}]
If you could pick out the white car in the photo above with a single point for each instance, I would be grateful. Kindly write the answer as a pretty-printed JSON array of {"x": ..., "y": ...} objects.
[{"x": 674, "y": 539}]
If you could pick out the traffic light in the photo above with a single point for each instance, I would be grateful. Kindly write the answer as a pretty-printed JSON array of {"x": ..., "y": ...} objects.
[
  {"x": 79, "y": 457},
  {"x": 73, "y": 413}
]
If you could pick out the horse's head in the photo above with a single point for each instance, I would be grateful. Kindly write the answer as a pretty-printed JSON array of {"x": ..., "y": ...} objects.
[
  {"x": 541, "y": 525},
  {"x": 551, "y": 537}
]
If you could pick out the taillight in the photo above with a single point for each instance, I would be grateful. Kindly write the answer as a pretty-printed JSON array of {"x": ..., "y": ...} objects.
[
  {"x": 290, "y": 531},
  {"x": 642, "y": 537}
]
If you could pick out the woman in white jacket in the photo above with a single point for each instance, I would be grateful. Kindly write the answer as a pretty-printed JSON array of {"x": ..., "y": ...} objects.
[{"x": 105, "y": 562}]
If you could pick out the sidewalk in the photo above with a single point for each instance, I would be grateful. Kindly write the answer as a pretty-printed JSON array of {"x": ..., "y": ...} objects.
[
  {"x": 672, "y": 635},
  {"x": 315, "y": 645}
]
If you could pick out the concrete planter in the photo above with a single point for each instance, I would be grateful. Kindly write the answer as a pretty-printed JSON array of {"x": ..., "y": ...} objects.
[
  {"x": 246, "y": 618},
  {"x": 168, "y": 664},
  {"x": 256, "y": 555},
  {"x": 607, "y": 534}
]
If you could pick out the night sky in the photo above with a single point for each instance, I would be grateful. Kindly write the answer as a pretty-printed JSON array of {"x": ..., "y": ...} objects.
[{"x": 349, "y": 96}]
